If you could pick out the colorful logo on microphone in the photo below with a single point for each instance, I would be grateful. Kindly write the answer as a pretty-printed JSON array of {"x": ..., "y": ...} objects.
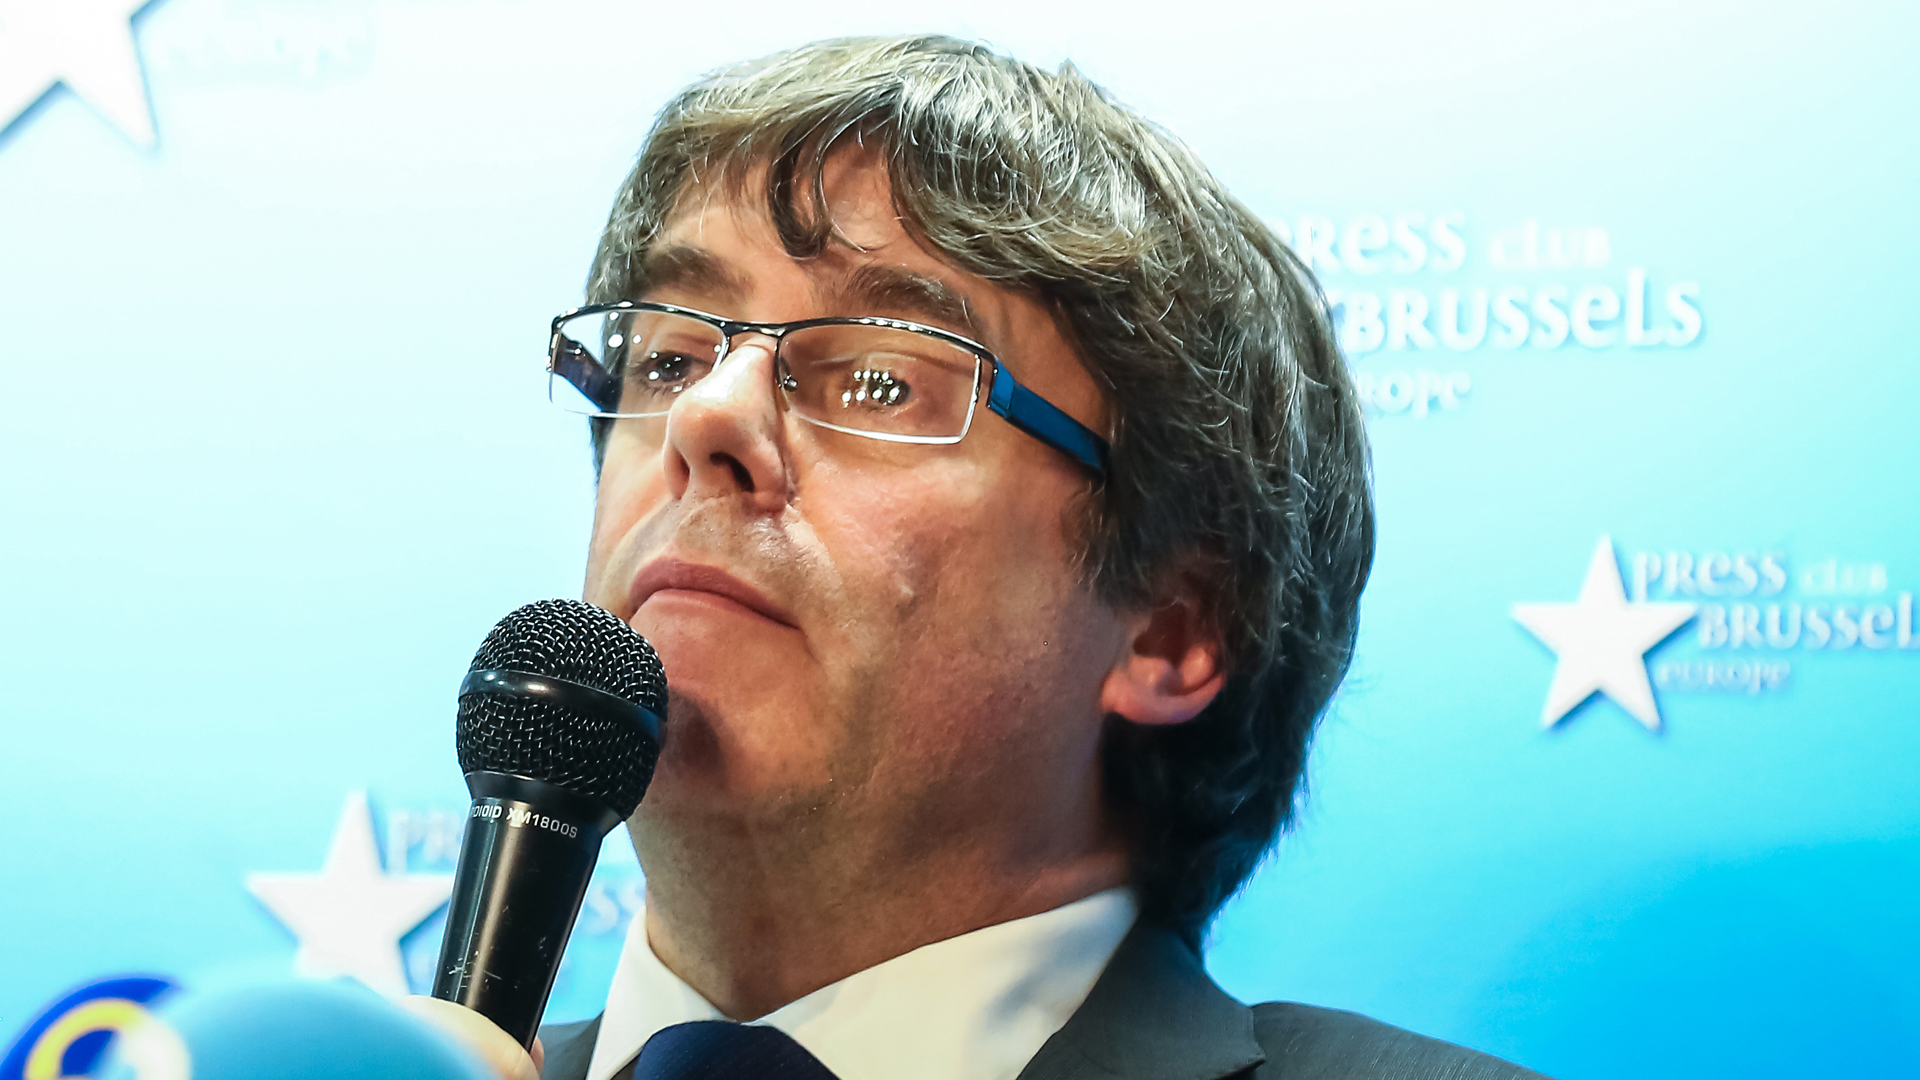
[{"x": 70, "y": 1037}]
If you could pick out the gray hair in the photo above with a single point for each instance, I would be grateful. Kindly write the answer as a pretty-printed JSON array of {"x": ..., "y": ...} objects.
[{"x": 1238, "y": 457}]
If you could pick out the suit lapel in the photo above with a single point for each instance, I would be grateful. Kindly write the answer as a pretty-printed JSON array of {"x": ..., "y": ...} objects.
[
  {"x": 569, "y": 1049},
  {"x": 1154, "y": 1014}
]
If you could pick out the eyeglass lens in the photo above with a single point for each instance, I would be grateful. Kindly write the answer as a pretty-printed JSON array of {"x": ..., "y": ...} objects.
[{"x": 873, "y": 380}]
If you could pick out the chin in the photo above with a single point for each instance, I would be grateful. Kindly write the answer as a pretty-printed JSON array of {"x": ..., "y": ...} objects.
[{"x": 743, "y": 763}]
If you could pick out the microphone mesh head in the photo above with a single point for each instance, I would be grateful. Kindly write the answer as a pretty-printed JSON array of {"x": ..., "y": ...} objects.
[{"x": 605, "y": 758}]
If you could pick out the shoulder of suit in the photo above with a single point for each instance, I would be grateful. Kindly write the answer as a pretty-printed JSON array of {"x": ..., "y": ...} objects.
[{"x": 1304, "y": 1042}]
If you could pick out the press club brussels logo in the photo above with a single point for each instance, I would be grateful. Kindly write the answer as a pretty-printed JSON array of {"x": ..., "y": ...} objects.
[
  {"x": 103, "y": 53},
  {"x": 1410, "y": 291},
  {"x": 1749, "y": 614}
]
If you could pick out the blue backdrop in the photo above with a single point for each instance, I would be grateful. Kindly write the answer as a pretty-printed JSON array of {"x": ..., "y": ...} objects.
[{"x": 1624, "y": 286}]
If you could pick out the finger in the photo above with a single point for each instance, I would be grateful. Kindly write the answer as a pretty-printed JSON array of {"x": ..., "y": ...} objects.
[{"x": 502, "y": 1055}]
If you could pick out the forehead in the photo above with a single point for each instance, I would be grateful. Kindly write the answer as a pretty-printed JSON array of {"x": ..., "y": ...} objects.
[{"x": 721, "y": 242}]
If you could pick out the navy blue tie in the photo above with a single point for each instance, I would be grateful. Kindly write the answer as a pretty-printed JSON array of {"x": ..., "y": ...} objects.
[{"x": 724, "y": 1050}]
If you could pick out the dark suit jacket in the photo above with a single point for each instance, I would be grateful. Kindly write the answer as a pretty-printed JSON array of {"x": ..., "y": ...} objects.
[{"x": 1154, "y": 1014}]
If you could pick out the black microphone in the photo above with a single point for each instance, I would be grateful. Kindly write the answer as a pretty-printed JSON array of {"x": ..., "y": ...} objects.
[{"x": 558, "y": 733}]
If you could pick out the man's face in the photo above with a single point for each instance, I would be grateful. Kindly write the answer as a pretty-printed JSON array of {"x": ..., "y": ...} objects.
[{"x": 886, "y": 647}]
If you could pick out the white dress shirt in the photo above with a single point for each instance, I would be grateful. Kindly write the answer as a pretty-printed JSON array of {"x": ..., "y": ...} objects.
[{"x": 973, "y": 1007}]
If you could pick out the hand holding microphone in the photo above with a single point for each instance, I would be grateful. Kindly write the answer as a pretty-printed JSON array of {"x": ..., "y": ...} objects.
[{"x": 480, "y": 1037}]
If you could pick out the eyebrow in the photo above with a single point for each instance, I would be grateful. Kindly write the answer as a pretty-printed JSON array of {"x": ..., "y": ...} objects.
[
  {"x": 687, "y": 267},
  {"x": 880, "y": 289},
  {"x": 871, "y": 289}
]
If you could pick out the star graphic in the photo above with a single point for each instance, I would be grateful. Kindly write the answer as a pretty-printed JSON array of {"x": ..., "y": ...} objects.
[
  {"x": 86, "y": 44},
  {"x": 350, "y": 916},
  {"x": 1602, "y": 641}
]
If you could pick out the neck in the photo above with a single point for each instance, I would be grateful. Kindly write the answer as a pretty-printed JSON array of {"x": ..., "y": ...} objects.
[{"x": 753, "y": 922}]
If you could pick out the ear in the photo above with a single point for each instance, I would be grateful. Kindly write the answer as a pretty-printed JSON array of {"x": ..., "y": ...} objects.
[{"x": 1171, "y": 664}]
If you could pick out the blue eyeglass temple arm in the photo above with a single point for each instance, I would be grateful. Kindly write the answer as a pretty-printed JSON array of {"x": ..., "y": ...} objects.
[
  {"x": 574, "y": 364},
  {"x": 1043, "y": 420}
]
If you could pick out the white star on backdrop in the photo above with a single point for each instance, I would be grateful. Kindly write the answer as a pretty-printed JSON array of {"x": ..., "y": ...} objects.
[
  {"x": 350, "y": 917},
  {"x": 86, "y": 44},
  {"x": 1602, "y": 641}
]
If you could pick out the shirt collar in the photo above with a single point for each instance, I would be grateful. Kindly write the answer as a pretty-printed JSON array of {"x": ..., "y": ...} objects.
[{"x": 973, "y": 1007}]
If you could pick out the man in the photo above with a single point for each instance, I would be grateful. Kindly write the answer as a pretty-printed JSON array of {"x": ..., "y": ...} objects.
[{"x": 993, "y": 491}]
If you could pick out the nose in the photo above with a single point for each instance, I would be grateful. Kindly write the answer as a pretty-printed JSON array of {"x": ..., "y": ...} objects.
[{"x": 725, "y": 437}]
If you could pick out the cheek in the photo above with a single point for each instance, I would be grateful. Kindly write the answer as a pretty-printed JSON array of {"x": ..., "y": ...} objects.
[
  {"x": 905, "y": 545},
  {"x": 977, "y": 579},
  {"x": 632, "y": 488}
]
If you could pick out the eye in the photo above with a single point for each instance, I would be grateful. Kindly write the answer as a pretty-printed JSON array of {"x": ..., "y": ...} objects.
[
  {"x": 666, "y": 372},
  {"x": 874, "y": 389}
]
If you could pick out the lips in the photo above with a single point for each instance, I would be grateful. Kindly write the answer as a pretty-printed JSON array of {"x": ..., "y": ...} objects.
[{"x": 667, "y": 574}]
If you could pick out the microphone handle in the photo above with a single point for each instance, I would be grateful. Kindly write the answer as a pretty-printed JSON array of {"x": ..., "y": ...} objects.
[{"x": 525, "y": 860}]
